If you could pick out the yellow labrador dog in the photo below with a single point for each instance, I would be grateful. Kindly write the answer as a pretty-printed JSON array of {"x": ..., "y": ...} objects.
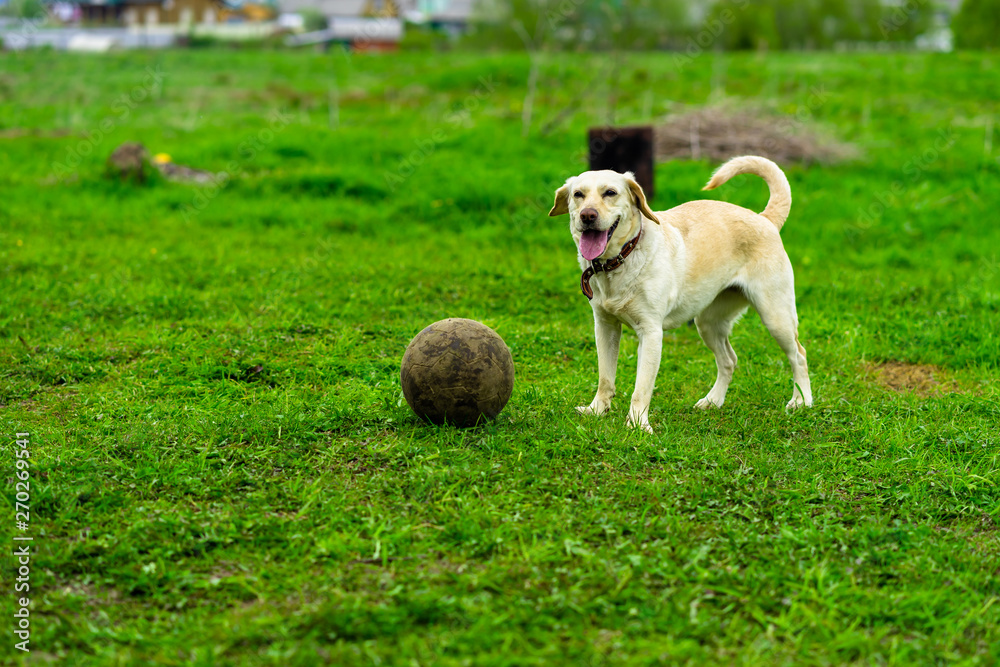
[{"x": 706, "y": 260}]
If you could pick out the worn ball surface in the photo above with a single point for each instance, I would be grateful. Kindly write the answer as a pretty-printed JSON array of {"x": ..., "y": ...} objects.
[{"x": 457, "y": 371}]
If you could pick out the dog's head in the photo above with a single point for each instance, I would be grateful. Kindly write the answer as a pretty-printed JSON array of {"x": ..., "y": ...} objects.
[{"x": 605, "y": 210}]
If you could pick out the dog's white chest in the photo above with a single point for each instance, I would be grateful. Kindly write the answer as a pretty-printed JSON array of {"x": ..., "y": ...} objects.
[{"x": 619, "y": 299}]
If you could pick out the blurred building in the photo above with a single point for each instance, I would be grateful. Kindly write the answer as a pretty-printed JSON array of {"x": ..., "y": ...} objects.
[
  {"x": 373, "y": 25},
  {"x": 436, "y": 12},
  {"x": 150, "y": 12},
  {"x": 163, "y": 12},
  {"x": 448, "y": 14}
]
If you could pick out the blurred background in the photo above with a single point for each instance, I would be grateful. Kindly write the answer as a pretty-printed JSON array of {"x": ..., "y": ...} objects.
[
  {"x": 489, "y": 24},
  {"x": 221, "y": 222}
]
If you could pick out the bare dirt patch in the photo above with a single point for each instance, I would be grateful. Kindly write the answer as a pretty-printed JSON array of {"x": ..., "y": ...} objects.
[
  {"x": 718, "y": 134},
  {"x": 919, "y": 379},
  {"x": 15, "y": 132}
]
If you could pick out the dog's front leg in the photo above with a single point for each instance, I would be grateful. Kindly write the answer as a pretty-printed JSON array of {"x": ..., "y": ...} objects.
[
  {"x": 608, "y": 332},
  {"x": 650, "y": 348}
]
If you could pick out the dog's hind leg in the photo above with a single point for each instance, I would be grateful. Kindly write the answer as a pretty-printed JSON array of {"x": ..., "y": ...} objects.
[
  {"x": 775, "y": 302},
  {"x": 714, "y": 325}
]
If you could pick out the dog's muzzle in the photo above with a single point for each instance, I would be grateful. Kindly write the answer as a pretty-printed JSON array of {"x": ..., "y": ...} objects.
[{"x": 594, "y": 241}]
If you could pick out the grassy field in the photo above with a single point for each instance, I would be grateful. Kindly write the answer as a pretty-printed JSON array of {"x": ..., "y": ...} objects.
[{"x": 223, "y": 470}]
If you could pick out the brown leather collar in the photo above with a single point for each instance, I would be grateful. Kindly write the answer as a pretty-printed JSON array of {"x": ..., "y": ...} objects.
[{"x": 597, "y": 265}]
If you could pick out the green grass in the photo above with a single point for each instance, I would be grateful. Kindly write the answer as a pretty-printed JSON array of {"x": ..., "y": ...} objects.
[{"x": 224, "y": 471}]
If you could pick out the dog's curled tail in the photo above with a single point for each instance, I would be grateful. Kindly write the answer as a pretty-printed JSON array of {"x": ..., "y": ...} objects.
[{"x": 780, "y": 202}]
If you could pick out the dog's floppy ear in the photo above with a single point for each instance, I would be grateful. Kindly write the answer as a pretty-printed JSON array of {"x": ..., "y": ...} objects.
[
  {"x": 639, "y": 196},
  {"x": 561, "y": 204}
]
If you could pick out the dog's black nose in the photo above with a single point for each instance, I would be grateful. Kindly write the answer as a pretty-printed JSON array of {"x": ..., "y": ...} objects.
[{"x": 588, "y": 216}]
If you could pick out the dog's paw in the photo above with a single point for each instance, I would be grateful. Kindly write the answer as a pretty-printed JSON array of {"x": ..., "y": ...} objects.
[
  {"x": 640, "y": 424},
  {"x": 596, "y": 407},
  {"x": 798, "y": 402},
  {"x": 706, "y": 403}
]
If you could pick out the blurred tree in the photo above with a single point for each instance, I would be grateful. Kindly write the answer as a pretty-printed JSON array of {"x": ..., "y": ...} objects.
[
  {"x": 748, "y": 25},
  {"x": 582, "y": 24},
  {"x": 421, "y": 37},
  {"x": 651, "y": 24},
  {"x": 25, "y": 9},
  {"x": 821, "y": 24},
  {"x": 683, "y": 26},
  {"x": 977, "y": 25},
  {"x": 313, "y": 20},
  {"x": 902, "y": 22}
]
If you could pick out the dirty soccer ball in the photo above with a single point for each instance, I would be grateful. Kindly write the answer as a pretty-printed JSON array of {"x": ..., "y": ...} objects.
[{"x": 457, "y": 371}]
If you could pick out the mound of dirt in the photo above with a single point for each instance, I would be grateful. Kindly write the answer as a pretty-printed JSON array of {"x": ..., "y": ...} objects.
[
  {"x": 184, "y": 174},
  {"x": 131, "y": 161},
  {"x": 718, "y": 134},
  {"x": 919, "y": 379}
]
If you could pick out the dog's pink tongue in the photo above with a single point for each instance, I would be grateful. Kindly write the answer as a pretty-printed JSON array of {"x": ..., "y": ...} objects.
[{"x": 593, "y": 243}]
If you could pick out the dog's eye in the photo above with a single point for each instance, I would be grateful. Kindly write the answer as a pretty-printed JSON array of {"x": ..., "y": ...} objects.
[
  {"x": 578, "y": 194},
  {"x": 610, "y": 193}
]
